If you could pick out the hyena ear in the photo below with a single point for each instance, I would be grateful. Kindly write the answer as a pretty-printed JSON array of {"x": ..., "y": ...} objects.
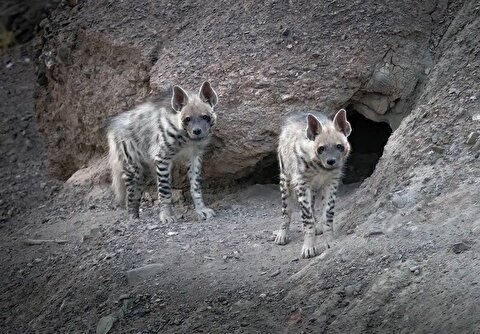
[
  {"x": 179, "y": 98},
  {"x": 313, "y": 127},
  {"x": 207, "y": 94},
  {"x": 341, "y": 123}
]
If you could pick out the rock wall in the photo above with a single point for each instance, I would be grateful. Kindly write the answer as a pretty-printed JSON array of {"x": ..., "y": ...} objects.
[
  {"x": 264, "y": 59},
  {"x": 414, "y": 213},
  {"x": 19, "y": 19},
  {"x": 434, "y": 148}
]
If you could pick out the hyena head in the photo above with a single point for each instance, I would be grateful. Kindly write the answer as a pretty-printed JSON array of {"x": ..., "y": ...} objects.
[
  {"x": 330, "y": 140},
  {"x": 196, "y": 112}
]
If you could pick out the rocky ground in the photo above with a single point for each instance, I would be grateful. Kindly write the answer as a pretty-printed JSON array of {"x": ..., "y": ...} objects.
[
  {"x": 404, "y": 272},
  {"x": 406, "y": 257}
]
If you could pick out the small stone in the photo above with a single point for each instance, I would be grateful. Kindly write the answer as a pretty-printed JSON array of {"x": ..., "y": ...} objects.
[
  {"x": 415, "y": 270},
  {"x": 275, "y": 273},
  {"x": 286, "y": 97},
  {"x": 263, "y": 295},
  {"x": 289, "y": 46},
  {"x": 151, "y": 227},
  {"x": 171, "y": 233},
  {"x": 138, "y": 275},
  {"x": 124, "y": 296},
  {"x": 460, "y": 247},
  {"x": 472, "y": 138},
  {"x": 349, "y": 290},
  {"x": 399, "y": 200},
  {"x": 373, "y": 232},
  {"x": 437, "y": 149},
  {"x": 28, "y": 144},
  {"x": 130, "y": 92}
]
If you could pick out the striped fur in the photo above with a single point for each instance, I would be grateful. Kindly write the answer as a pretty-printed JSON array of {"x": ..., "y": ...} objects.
[
  {"x": 144, "y": 142},
  {"x": 312, "y": 152}
]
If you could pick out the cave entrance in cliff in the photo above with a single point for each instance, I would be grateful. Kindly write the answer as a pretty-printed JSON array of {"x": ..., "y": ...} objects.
[
  {"x": 266, "y": 171},
  {"x": 368, "y": 140}
]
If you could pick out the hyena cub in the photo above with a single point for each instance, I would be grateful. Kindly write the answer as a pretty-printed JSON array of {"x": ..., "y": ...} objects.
[
  {"x": 312, "y": 151},
  {"x": 144, "y": 142}
]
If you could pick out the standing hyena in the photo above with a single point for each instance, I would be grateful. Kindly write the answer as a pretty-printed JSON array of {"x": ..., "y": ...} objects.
[
  {"x": 145, "y": 141},
  {"x": 312, "y": 151}
]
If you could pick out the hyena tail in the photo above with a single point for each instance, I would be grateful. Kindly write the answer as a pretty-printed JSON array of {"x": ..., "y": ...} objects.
[{"x": 115, "y": 158}]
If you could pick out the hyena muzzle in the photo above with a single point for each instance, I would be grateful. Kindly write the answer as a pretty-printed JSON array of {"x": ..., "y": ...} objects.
[
  {"x": 312, "y": 152},
  {"x": 144, "y": 142}
]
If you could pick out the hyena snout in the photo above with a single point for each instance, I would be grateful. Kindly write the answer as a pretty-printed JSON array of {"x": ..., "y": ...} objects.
[
  {"x": 198, "y": 129},
  {"x": 331, "y": 162}
]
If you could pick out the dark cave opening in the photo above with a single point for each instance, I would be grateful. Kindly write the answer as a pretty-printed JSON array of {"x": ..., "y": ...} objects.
[
  {"x": 368, "y": 139},
  {"x": 266, "y": 171}
]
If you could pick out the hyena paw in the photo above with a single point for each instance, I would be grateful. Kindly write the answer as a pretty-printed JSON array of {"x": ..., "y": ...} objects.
[
  {"x": 282, "y": 237},
  {"x": 133, "y": 215},
  {"x": 308, "y": 248},
  {"x": 328, "y": 240},
  {"x": 205, "y": 213},
  {"x": 166, "y": 217}
]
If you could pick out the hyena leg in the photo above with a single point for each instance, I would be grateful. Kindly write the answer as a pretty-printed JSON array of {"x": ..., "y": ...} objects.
[
  {"x": 163, "y": 166},
  {"x": 194, "y": 174},
  {"x": 321, "y": 195},
  {"x": 282, "y": 234},
  {"x": 131, "y": 176},
  {"x": 314, "y": 197},
  {"x": 133, "y": 184},
  {"x": 329, "y": 213},
  {"x": 304, "y": 196}
]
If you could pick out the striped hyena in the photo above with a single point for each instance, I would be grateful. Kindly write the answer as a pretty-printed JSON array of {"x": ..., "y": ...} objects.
[
  {"x": 145, "y": 141},
  {"x": 312, "y": 152}
]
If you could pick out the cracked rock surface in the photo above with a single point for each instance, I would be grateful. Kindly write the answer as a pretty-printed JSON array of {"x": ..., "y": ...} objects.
[{"x": 265, "y": 59}]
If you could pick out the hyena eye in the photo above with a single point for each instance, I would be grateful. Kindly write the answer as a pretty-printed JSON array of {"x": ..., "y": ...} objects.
[
  {"x": 206, "y": 117},
  {"x": 186, "y": 120},
  {"x": 340, "y": 147},
  {"x": 320, "y": 149}
]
